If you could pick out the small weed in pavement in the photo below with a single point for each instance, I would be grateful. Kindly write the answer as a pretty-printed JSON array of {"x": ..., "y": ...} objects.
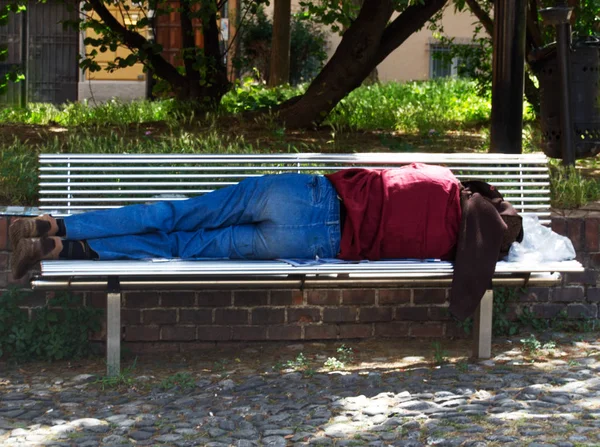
[
  {"x": 182, "y": 380},
  {"x": 440, "y": 355},
  {"x": 124, "y": 378}
]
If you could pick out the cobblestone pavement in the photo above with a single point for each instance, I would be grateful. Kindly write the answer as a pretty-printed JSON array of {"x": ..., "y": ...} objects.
[{"x": 374, "y": 393}]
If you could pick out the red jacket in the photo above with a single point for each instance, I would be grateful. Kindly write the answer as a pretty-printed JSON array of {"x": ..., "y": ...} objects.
[{"x": 409, "y": 212}]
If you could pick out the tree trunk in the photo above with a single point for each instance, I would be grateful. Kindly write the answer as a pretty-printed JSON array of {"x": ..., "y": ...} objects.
[
  {"x": 365, "y": 44},
  {"x": 233, "y": 46},
  {"x": 210, "y": 87},
  {"x": 188, "y": 42},
  {"x": 279, "y": 72}
]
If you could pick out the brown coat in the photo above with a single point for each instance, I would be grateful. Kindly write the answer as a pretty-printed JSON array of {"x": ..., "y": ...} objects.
[{"x": 489, "y": 225}]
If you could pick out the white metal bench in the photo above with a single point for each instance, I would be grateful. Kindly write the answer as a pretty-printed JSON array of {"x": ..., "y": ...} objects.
[{"x": 71, "y": 183}]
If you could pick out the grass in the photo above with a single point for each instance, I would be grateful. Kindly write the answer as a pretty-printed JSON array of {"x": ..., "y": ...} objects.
[{"x": 424, "y": 116}]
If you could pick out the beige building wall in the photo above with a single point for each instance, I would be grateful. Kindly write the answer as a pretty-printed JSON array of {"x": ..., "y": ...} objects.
[{"x": 411, "y": 61}]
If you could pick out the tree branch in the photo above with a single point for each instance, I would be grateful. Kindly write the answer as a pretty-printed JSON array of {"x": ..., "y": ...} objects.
[
  {"x": 410, "y": 21},
  {"x": 482, "y": 15},
  {"x": 135, "y": 40}
]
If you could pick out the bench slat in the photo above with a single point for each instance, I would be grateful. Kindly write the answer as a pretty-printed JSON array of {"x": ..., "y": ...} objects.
[{"x": 257, "y": 268}]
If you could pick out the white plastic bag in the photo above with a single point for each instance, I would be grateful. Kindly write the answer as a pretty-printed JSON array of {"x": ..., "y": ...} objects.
[{"x": 540, "y": 244}]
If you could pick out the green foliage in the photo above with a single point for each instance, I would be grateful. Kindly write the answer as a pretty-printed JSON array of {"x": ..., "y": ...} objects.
[
  {"x": 569, "y": 188},
  {"x": 299, "y": 363},
  {"x": 532, "y": 345},
  {"x": 250, "y": 95},
  {"x": 440, "y": 355},
  {"x": 501, "y": 325},
  {"x": 345, "y": 355},
  {"x": 59, "y": 330},
  {"x": 14, "y": 74},
  {"x": 123, "y": 379},
  {"x": 18, "y": 174},
  {"x": 308, "y": 45},
  {"x": 413, "y": 106},
  {"x": 106, "y": 113},
  {"x": 182, "y": 379}
]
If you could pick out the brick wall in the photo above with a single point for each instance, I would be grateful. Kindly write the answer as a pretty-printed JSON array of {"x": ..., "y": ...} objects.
[{"x": 168, "y": 320}]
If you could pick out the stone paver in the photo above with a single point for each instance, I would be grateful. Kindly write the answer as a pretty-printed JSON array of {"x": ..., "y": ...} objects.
[{"x": 509, "y": 400}]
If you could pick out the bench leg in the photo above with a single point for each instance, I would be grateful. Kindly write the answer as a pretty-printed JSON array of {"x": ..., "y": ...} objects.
[
  {"x": 113, "y": 334},
  {"x": 482, "y": 331}
]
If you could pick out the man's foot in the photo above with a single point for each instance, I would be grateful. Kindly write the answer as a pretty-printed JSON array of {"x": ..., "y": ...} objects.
[
  {"x": 44, "y": 225},
  {"x": 30, "y": 251}
]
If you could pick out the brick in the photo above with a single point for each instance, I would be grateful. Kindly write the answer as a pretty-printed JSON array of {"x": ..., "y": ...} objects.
[
  {"x": 567, "y": 294},
  {"x": 534, "y": 295},
  {"x": 559, "y": 225},
  {"x": 215, "y": 333},
  {"x": 249, "y": 333},
  {"x": 231, "y": 316},
  {"x": 592, "y": 226},
  {"x": 4, "y": 264},
  {"x": 360, "y": 296},
  {"x": 151, "y": 347},
  {"x": 412, "y": 314},
  {"x": 304, "y": 315},
  {"x": 33, "y": 299},
  {"x": 339, "y": 314},
  {"x": 392, "y": 330},
  {"x": 195, "y": 316},
  {"x": 438, "y": 314},
  {"x": 159, "y": 316},
  {"x": 251, "y": 298},
  {"x": 547, "y": 310},
  {"x": 575, "y": 232},
  {"x": 287, "y": 298},
  {"x": 593, "y": 294},
  {"x": 192, "y": 346},
  {"x": 177, "y": 299},
  {"x": 141, "y": 300},
  {"x": 284, "y": 332},
  {"x": 429, "y": 296},
  {"x": 3, "y": 233},
  {"x": 427, "y": 329},
  {"x": 98, "y": 300},
  {"x": 178, "y": 333},
  {"x": 131, "y": 316},
  {"x": 582, "y": 310},
  {"x": 267, "y": 315},
  {"x": 355, "y": 330},
  {"x": 320, "y": 332},
  {"x": 142, "y": 333},
  {"x": 323, "y": 297},
  {"x": 372, "y": 314},
  {"x": 394, "y": 296},
  {"x": 594, "y": 260},
  {"x": 214, "y": 298},
  {"x": 588, "y": 277}
]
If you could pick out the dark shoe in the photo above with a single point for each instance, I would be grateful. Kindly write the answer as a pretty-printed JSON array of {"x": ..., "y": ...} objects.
[
  {"x": 31, "y": 251},
  {"x": 27, "y": 228}
]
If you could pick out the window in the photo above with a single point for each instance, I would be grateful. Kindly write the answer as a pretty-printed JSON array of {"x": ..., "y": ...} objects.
[{"x": 440, "y": 63}]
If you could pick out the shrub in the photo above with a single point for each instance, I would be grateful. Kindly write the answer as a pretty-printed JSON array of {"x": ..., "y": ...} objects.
[
  {"x": 60, "y": 329},
  {"x": 307, "y": 48}
]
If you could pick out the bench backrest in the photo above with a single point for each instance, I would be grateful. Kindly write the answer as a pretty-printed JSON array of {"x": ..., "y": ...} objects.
[{"x": 71, "y": 183}]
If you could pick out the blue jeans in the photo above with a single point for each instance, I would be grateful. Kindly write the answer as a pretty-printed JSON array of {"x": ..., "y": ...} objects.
[{"x": 269, "y": 217}]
